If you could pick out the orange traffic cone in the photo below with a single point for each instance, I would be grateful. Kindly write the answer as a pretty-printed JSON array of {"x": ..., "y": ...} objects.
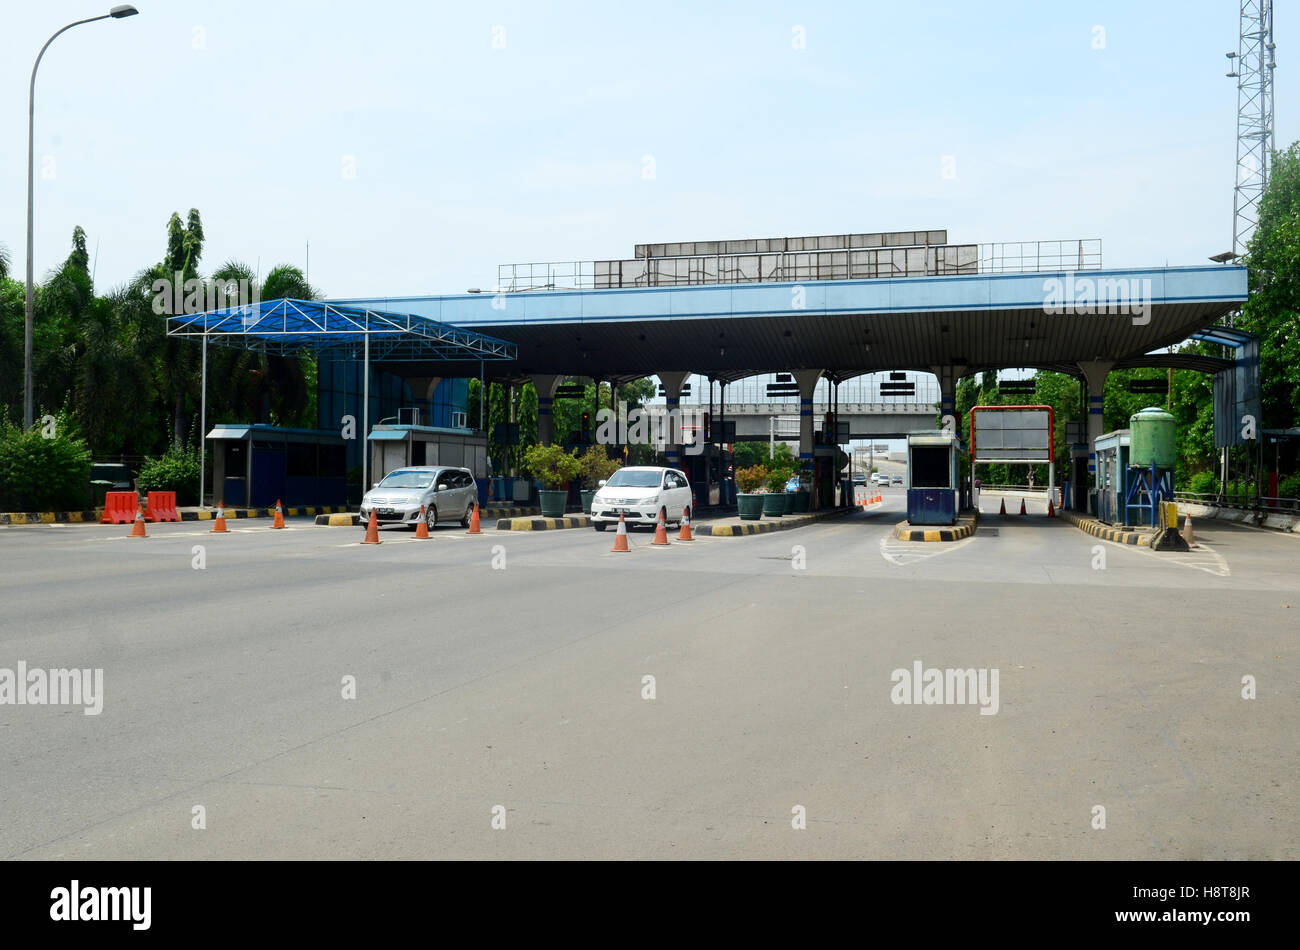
[
  {"x": 473, "y": 521},
  {"x": 1022, "y": 507},
  {"x": 372, "y": 530},
  {"x": 620, "y": 538},
  {"x": 661, "y": 530},
  {"x": 1051, "y": 512},
  {"x": 279, "y": 516},
  {"x": 1002, "y": 508},
  {"x": 219, "y": 526},
  {"x": 422, "y": 527},
  {"x": 137, "y": 529},
  {"x": 685, "y": 533},
  {"x": 1188, "y": 536}
]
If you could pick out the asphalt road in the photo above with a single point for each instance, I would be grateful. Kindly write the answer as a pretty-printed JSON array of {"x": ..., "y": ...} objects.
[{"x": 521, "y": 686}]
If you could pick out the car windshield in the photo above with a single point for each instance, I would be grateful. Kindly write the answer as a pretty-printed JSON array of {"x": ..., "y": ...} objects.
[
  {"x": 628, "y": 479},
  {"x": 407, "y": 480}
]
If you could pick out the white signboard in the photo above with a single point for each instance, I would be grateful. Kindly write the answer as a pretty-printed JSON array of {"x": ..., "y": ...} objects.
[{"x": 1012, "y": 435}]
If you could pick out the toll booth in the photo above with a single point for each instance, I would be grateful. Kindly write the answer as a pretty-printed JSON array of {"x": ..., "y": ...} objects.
[
  {"x": 397, "y": 446},
  {"x": 1112, "y": 451},
  {"x": 253, "y": 466},
  {"x": 933, "y": 477},
  {"x": 707, "y": 472}
]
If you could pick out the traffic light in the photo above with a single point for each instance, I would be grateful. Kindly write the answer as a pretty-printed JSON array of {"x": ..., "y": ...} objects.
[{"x": 585, "y": 436}]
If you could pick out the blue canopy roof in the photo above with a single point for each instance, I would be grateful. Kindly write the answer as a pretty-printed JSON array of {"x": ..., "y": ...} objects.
[{"x": 288, "y": 326}]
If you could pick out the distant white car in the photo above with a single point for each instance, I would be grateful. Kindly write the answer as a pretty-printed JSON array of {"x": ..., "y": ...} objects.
[{"x": 639, "y": 493}]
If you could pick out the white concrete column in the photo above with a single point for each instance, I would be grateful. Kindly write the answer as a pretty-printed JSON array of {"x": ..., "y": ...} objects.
[
  {"x": 545, "y": 384},
  {"x": 672, "y": 383},
  {"x": 807, "y": 381},
  {"x": 1094, "y": 374}
]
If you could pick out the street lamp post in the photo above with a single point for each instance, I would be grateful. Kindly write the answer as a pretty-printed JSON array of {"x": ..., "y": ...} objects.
[{"x": 117, "y": 13}]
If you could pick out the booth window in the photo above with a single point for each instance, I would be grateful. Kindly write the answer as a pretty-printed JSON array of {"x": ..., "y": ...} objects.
[
  {"x": 930, "y": 466},
  {"x": 302, "y": 460}
]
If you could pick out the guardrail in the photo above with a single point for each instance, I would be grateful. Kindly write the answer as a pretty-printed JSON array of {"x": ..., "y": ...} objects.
[{"x": 1244, "y": 502}]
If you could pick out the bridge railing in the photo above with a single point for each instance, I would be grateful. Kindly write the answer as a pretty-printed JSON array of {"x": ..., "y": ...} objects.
[{"x": 1240, "y": 501}]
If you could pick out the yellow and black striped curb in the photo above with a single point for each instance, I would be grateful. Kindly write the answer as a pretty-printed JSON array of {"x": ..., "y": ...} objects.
[
  {"x": 785, "y": 523},
  {"x": 1107, "y": 532},
  {"x": 353, "y": 520},
  {"x": 964, "y": 528},
  {"x": 85, "y": 517},
  {"x": 49, "y": 517},
  {"x": 544, "y": 524}
]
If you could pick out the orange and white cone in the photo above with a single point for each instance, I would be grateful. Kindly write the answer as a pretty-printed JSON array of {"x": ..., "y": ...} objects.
[
  {"x": 620, "y": 537},
  {"x": 279, "y": 516},
  {"x": 372, "y": 530},
  {"x": 1002, "y": 508},
  {"x": 219, "y": 525},
  {"x": 661, "y": 530},
  {"x": 1022, "y": 507},
  {"x": 1051, "y": 512},
  {"x": 473, "y": 521},
  {"x": 422, "y": 526},
  {"x": 685, "y": 533},
  {"x": 137, "y": 528},
  {"x": 1188, "y": 536}
]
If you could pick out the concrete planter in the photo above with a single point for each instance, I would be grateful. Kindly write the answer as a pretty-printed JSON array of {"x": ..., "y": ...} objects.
[
  {"x": 774, "y": 504},
  {"x": 553, "y": 502},
  {"x": 787, "y": 506},
  {"x": 587, "y": 496},
  {"x": 750, "y": 506},
  {"x": 801, "y": 499}
]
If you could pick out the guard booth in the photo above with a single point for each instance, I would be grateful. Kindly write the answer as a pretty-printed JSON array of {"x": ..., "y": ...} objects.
[
  {"x": 254, "y": 466},
  {"x": 706, "y": 472},
  {"x": 1112, "y": 450},
  {"x": 397, "y": 446},
  {"x": 933, "y": 477}
]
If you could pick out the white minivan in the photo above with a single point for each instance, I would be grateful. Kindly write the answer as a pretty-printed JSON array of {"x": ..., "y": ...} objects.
[{"x": 639, "y": 493}]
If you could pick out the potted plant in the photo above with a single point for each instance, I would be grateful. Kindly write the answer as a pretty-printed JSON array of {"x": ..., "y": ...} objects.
[
  {"x": 596, "y": 467},
  {"x": 749, "y": 500},
  {"x": 804, "y": 494},
  {"x": 552, "y": 467},
  {"x": 774, "y": 500}
]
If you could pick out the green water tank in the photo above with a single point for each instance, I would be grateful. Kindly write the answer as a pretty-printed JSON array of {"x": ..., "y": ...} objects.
[{"x": 1153, "y": 439}]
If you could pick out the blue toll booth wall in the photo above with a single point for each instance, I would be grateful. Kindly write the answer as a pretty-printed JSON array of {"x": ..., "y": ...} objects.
[
  {"x": 257, "y": 465},
  {"x": 933, "y": 477}
]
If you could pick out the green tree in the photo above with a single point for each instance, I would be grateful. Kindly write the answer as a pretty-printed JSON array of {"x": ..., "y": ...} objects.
[{"x": 1272, "y": 311}]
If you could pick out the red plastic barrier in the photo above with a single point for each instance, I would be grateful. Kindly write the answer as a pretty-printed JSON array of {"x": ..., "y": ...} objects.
[
  {"x": 120, "y": 507},
  {"x": 161, "y": 506}
]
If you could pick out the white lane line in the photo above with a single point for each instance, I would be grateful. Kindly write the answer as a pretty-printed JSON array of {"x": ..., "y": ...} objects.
[{"x": 904, "y": 553}]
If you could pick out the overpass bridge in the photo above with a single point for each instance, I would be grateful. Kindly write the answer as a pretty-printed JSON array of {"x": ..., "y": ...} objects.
[{"x": 755, "y": 421}]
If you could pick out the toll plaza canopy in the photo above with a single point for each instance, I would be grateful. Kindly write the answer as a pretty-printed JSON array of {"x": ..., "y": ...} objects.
[
  {"x": 292, "y": 326},
  {"x": 971, "y": 323}
]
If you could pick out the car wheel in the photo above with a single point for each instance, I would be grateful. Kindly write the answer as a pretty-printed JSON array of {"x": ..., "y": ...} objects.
[
  {"x": 431, "y": 516},
  {"x": 598, "y": 525},
  {"x": 464, "y": 521}
]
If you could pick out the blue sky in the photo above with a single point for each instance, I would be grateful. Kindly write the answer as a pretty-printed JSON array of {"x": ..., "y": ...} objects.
[{"x": 465, "y": 155}]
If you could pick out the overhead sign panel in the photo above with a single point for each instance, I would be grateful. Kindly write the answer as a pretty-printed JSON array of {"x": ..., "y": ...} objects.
[{"x": 1011, "y": 434}]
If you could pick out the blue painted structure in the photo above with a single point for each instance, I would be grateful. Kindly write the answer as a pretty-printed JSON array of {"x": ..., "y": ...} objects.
[{"x": 933, "y": 477}]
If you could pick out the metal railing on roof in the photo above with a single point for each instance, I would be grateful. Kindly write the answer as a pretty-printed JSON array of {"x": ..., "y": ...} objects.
[{"x": 1008, "y": 257}]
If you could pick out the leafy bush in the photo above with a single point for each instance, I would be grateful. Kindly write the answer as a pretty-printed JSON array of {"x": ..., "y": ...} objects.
[
  {"x": 1202, "y": 483},
  {"x": 1289, "y": 487},
  {"x": 777, "y": 476},
  {"x": 43, "y": 474},
  {"x": 551, "y": 465},
  {"x": 175, "y": 470},
  {"x": 595, "y": 465},
  {"x": 750, "y": 480}
]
